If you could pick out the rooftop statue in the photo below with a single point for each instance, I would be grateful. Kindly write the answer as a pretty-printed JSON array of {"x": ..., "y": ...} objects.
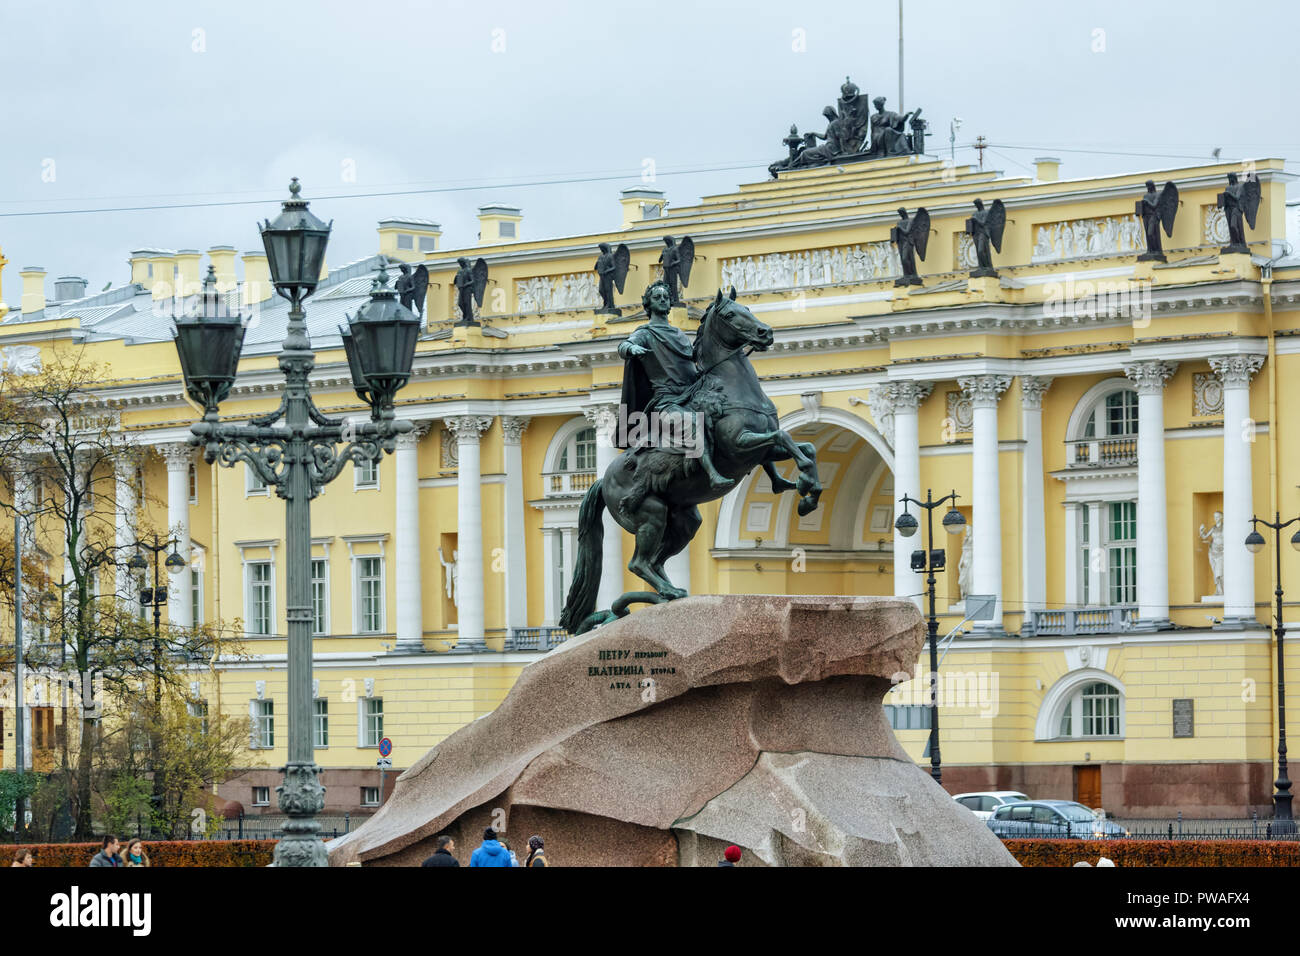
[
  {"x": 411, "y": 287},
  {"x": 694, "y": 420},
  {"x": 612, "y": 268},
  {"x": 470, "y": 282},
  {"x": 854, "y": 133},
  {"x": 985, "y": 227},
  {"x": 910, "y": 236},
  {"x": 1239, "y": 200},
  {"x": 1157, "y": 210},
  {"x": 677, "y": 259}
]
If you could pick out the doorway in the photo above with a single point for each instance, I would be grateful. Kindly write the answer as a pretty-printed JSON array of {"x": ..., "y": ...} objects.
[{"x": 1087, "y": 786}]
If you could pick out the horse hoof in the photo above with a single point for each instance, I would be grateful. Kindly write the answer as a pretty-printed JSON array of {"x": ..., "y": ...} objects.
[{"x": 806, "y": 506}]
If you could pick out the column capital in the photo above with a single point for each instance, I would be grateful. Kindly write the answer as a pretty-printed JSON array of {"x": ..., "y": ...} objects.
[
  {"x": 1150, "y": 377},
  {"x": 1236, "y": 371},
  {"x": 906, "y": 395},
  {"x": 410, "y": 439},
  {"x": 466, "y": 429},
  {"x": 984, "y": 390},
  {"x": 603, "y": 417},
  {"x": 177, "y": 455},
  {"x": 1032, "y": 390},
  {"x": 513, "y": 427}
]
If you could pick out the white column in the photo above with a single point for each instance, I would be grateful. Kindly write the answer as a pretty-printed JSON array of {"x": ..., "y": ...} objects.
[
  {"x": 1235, "y": 371},
  {"x": 1033, "y": 520},
  {"x": 179, "y": 457},
  {"x": 678, "y": 568},
  {"x": 1073, "y": 592},
  {"x": 906, "y": 399},
  {"x": 604, "y": 418},
  {"x": 986, "y": 502},
  {"x": 466, "y": 429},
  {"x": 515, "y": 543},
  {"x": 124, "y": 522},
  {"x": 552, "y": 607},
  {"x": 409, "y": 572},
  {"x": 1152, "y": 511},
  {"x": 1096, "y": 563}
]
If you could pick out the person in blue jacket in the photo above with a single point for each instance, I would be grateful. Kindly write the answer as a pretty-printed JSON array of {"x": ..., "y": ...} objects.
[{"x": 491, "y": 852}]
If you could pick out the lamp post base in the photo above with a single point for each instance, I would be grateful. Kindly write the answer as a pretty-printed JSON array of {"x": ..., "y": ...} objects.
[{"x": 301, "y": 797}]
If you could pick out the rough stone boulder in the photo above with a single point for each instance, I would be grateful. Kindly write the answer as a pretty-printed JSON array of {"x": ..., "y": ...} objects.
[{"x": 663, "y": 737}]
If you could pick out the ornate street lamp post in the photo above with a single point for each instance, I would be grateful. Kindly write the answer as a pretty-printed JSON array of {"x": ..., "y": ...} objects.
[
  {"x": 1282, "y": 786},
  {"x": 931, "y": 560},
  {"x": 298, "y": 450}
]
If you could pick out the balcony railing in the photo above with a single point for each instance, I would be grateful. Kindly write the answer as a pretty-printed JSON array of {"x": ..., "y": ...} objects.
[
  {"x": 1069, "y": 621},
  {"x": 1102, "y": 452},
  {"x": 536, "y": 638},
  {"x": 560, "y": 484}
]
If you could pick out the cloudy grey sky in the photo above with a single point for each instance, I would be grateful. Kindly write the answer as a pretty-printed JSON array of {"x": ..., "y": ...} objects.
[{"x": 142, "y": 103}]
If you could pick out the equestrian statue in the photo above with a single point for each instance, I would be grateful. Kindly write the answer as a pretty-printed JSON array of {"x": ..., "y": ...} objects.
[{"x": 694, "y": 420}]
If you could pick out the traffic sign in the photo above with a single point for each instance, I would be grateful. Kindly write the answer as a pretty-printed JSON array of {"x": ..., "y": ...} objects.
[
  {"x": 383, "y": 763},
  {"x": 385, "y": 747}
]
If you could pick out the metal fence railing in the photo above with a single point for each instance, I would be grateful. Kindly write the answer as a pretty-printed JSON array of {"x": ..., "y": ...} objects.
[{"x": 1240, "y": 829}]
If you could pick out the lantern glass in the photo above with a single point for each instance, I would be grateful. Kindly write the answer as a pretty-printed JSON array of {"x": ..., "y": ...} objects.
[
  {"x": 1255, "y": 542},
  {"x": 954, "y": 522},
  {"x": 295, "y": 247},
  {"x": 906, "y": 524}
]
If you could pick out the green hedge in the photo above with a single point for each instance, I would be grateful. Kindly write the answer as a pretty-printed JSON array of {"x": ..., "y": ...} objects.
[
  {"x": 161, "y": 852},
  {"x": 1156, "y": 852}
]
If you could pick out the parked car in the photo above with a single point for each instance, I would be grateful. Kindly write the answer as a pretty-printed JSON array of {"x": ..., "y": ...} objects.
[
  {"x": 1052, "y": 819},
  {"x": 983, "y": 803}
]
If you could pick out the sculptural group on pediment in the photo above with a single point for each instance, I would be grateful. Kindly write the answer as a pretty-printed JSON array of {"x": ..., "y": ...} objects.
[{"x": 854, "y": 132}]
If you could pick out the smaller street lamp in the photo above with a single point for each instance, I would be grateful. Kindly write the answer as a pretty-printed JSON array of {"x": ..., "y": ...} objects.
[
  {"x": 1282, "y": 786},
  {"x": 931, "y": 560}
]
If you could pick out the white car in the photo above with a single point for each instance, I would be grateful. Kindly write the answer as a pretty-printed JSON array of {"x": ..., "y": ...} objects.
[{"x": 983, "y": 804}]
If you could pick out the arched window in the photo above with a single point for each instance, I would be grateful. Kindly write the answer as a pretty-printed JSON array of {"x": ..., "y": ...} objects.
[
  {"x": 1113, "y": 417},
  {"x": 579, "y": 452},
  {"x": 1094, "y": 710}
]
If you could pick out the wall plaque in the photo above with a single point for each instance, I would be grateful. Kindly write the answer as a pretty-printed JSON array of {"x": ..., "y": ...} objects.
[{"x": 1184, "y": 722}]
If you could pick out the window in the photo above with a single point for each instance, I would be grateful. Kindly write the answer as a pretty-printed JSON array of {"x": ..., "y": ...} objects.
[
  {"x": 263, "y": 713},
  {"x": 261, "y": 796},
  {"x": 320, "y": 722},
  {"x": 199, "y": 710},
  {"x": 194, "y": 484},
  {"x": 253, "y": 483},
  {"x": 42, "y": 728},
  {"x": 1100, "y": 710},
  {"x": 1122, "y": 552},
  {"x": 319, "y": 596},
  {"x": 1095, "y": 710},
  {"x": 370, "y": 796},
  {"x": 908, "y": 716},
  {"x": 365, "y": 474},
  {"x": 507, "y": 230},
  {"x": 139, "y": 487},
  {"x": 1116, "y": 416},
  {"x": 580, "y": 452},
  {"x": 372, "y": 721},
  {"x": 405, "y": 241},
  {"x": 370, "y": 595},
  {"x": 1086, "y": 559},
  {"x": 428, "y": 243},
  {"x": 196, "y": 591},
  {"x": 258, "y": 605}
]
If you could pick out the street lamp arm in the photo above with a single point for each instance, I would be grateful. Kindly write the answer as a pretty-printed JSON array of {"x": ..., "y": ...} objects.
[{"x": 262, "y": 449}]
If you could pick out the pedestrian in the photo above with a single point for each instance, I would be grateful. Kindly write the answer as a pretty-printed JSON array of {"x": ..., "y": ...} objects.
[
  {"x": 536, "y": 853},
  {"x": 730, "y": 856},
  {"x": 110, "y": 855},
  {"x": 514, "y": 860},
  {"x": 491, "y": 852},
  {"x": 135, "y": 855},
  {"x": 22, "y": 858},
  {"x": 442, "y": 856}
]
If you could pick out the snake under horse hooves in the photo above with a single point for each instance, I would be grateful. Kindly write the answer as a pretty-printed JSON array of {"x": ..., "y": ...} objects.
[{"x": 620, "y": 609}]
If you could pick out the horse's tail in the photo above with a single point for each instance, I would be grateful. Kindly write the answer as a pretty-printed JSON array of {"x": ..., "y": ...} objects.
[{"x": 581, "y": 601}]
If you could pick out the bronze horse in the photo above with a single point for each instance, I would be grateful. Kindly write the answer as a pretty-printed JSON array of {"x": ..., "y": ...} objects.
[{"x": 654, "y": 494}]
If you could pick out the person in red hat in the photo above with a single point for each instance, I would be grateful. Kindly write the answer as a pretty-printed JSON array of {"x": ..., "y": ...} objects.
[{"x": 730, "y": 856}]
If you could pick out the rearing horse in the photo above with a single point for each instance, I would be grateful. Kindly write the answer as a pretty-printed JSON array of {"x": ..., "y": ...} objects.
[{"x": 654, "y": 494}]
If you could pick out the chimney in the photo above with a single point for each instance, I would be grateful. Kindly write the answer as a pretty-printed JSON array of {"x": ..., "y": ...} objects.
[
  {"x": 222, "y": 259},
  {"x": 187, "y": 269},
  {"x": 141, "y": 273},
  {"x": 33, "y": 288},
  {"x": 640, "y": 203},
  {"x": 498, "y": 223},
  {"x": 257, "y": 278},
  {"x": 410, "y": 240},
  {"x": 68, "y": 288},
  {"x": 1047, "y": 169},
  {"x": 3, "y": 262},
  {"x": 162, "y": 278}
]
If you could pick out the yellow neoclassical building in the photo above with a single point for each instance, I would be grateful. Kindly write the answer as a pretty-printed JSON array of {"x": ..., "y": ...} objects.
[{"x": 1095, "y": 413}]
